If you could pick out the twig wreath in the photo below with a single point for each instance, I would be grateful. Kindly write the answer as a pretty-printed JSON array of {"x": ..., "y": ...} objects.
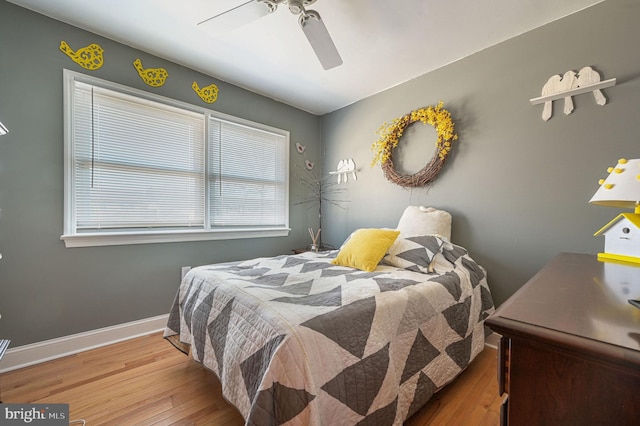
[{"x": 389, "y": 135}]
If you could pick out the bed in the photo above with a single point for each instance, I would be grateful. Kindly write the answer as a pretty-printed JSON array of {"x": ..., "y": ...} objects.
[{"x": 301, "y": 340}]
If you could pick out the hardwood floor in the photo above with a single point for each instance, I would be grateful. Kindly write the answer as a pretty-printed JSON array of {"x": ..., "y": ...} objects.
[{"x": 146, "y": 381}]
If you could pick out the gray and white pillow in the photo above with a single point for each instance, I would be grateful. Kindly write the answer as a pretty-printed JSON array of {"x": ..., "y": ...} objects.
[{"x": 414, "y": 253}]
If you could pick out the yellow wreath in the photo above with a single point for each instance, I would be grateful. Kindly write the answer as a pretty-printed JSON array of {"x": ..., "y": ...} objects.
[{"x": 389, "y": 135}]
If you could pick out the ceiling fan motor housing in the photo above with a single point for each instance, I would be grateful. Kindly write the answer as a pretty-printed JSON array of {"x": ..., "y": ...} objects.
[{"x": 295, "y": 6}]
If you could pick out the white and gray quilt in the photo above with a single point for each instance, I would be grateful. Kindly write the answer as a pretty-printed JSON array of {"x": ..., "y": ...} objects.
[{"x": 297, "y": 340}]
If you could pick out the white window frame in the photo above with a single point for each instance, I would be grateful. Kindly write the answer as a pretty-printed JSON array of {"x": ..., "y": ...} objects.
[{"x": 73, "y": 238}]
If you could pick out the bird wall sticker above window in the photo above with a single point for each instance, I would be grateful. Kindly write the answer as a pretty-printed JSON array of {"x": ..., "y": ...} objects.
[
  {"x": 89, "y": 57},
  {"x": 571, "y": 84},
  {"x": 208, "y": 94},
  {"x": 154, "y": 77}
]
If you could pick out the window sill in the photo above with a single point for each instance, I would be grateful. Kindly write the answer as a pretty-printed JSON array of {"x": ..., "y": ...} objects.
[{"x": 126, "y": 238}]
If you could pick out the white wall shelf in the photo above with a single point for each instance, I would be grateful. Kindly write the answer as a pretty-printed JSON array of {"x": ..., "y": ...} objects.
[{"x": 573, "y": 92}]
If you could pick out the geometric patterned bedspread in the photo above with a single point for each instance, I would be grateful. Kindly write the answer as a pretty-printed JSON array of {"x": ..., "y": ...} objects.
[{"x": 297, "y": 340}]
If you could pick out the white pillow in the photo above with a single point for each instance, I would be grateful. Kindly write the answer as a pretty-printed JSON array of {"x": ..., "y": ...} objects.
[{"x": 421, "y": 220}]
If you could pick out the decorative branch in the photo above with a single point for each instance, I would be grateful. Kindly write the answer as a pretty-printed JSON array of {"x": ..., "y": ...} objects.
[{"x": 319, "y": 189}]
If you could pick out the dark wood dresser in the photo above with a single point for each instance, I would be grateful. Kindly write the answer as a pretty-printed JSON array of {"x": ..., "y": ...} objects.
[{"x": 570, "y": 347}]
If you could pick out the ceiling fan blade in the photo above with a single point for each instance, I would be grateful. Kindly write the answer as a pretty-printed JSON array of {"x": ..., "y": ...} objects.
[
  {"x": 236, "y": 17},
  {"x": 320, "y": 40}
]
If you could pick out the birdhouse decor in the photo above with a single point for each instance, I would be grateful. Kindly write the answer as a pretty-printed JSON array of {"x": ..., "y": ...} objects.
[
  {"x": 154, "y": 77},
  {"x": 571, "y": 84},
  {"x": 89, "y": 57},
  {"x": 621, "y": 189}
]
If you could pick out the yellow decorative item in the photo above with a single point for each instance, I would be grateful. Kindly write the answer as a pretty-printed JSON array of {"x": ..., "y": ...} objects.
[
  {"x": 209, "y": 93},
  {"x": 154, "y": 77},
  {"x": 622, "y": 235},
  {"x": 366, "y": 248},
  {"x": 89, "y": 57},
  {"x": 389, "y": 135}
]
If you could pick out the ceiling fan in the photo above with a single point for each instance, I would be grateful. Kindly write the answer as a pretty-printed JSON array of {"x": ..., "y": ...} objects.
[{"x": 309, "y": 20}]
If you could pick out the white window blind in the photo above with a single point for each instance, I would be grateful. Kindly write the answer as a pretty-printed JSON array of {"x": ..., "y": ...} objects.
[
  {"x": 248, "y": 182},
  {"x": 137, "y": 163},
  {"x": 142, "y": 168}
]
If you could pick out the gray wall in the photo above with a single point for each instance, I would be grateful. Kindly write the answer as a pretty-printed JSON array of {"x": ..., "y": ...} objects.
[
  {"x": 518, "y": 187},
  {"x": 47, "y": 290}
]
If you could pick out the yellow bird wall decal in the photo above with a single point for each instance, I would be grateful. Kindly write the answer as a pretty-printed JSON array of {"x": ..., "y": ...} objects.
[
  {"x": 88, "y": 57},
  {"x": 154, "y": 77},
  {"x": 209, "y": 93}
]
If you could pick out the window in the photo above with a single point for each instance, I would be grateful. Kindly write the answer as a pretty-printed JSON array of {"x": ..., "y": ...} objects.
[{"x": 141, "y": 168}]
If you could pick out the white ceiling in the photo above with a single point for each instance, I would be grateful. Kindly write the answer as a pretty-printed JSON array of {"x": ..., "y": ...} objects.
[{"x": 382, "y": 42}]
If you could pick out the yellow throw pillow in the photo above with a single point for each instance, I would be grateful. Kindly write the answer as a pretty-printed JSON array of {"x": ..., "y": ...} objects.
[{"x": 366, "y": 248}]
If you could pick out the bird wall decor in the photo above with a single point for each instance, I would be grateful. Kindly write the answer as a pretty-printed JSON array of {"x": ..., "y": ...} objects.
[
  {"x": 344, "y": 169},
  {"x": 89, "y": 57},
  {"x": 569, "y": 82},
  {"x": 154, "y": 77},
  {"x": 550, "y": 87},
  {"x": 587, "y": 76},
  {"x": 208, "y": 94},
  {"x": 568, "y": 85}
]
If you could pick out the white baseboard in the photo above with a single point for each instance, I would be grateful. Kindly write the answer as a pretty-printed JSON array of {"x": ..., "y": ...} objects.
[
  {"x": 35, "y": 353},
  {"x": 492, "y": 340}
]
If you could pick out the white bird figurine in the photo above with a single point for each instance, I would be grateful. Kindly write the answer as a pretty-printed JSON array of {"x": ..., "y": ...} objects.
[
  {"x": 343, "y": 169},
  {"x": 339, "y": 170},
  {"x": 587, "y": 76},
  {"x": 352, "y": 168},
  {"x": 569, "y": 82},
  {"x": 551, "y": 87}
]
